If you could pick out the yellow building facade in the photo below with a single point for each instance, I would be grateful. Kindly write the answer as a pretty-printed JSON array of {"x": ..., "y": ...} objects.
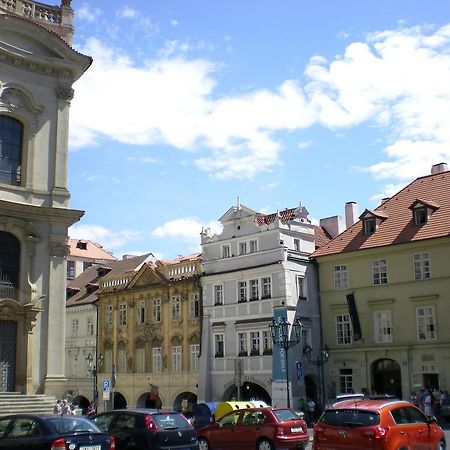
[
  {"x": 385, "y": 298},
  {"x": 149, "y": 335}
]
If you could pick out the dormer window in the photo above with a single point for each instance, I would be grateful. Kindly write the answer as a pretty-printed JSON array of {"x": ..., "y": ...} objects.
[
  {"x": 82, "y": 245},
  {"x": 422, "y": 210},
  {"x": 371, "y": 220},
  {"x": 420, "y": 216},
  {"x": 370, "y": 225}
]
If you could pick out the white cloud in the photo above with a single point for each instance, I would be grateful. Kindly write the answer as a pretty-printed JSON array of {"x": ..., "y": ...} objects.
[
  {"x": 397, "y": 80},
  {"x": 128, "y": 13},
  {"x": 107, "y": 238},
  {"x": 87, "y": 13},
  {"x": 186, "y": 230}
]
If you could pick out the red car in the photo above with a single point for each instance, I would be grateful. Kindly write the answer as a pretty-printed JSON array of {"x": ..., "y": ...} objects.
[
  {"x": 377, "y": 425},
  {"x": 255, "y": 429}
]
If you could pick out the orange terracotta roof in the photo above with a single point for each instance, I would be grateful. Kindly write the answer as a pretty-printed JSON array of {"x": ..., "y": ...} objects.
[
  {"x": 399, "y": 227},
  {"x": 92, "y": 250}
]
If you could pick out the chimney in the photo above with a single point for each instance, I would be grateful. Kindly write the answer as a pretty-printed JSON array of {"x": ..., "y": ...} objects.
[
  {"x": 351, "y": 213},
  {"x": 332, "y": 225},
  {"x": 439, "y": 168}
]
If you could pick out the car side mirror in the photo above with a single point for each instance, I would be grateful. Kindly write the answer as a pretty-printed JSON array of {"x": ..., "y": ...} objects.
[{"x": 432, "y": 419}]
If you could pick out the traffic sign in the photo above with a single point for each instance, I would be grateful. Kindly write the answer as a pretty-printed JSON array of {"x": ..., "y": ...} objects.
[{"x": 106, "y": 389}]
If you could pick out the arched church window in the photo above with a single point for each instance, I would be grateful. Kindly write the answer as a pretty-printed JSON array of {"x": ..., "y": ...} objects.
[
  {"x": 11, "y": 141},
  {"x": 9, "y": 265}
]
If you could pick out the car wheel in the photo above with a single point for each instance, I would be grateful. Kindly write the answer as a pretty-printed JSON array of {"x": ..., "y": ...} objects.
[
  {"x": 203, "y": 444},
  {"x": 264, "y": 444},
  {"x": 441, "y": 445}
]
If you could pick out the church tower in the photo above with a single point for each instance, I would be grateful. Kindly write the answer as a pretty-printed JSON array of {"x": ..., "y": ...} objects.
[{"x": 38, "y": 67}]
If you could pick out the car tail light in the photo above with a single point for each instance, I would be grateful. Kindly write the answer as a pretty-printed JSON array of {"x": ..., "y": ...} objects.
[
  {"x": 59, "y": 444},
  {"x": 150, "y": 423},
  {"x": 379, "y": 432},
  {"x": 279, "y": 431},
  {"x": 112, "y": 444}
]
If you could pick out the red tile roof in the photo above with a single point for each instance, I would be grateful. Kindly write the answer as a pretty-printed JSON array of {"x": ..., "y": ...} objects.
[
  {"x": 92, "y": 250},
  {"x": 399, "y": 227}
]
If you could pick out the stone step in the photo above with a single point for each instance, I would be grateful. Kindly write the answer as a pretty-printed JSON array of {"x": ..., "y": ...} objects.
[{"x": 16, "y": 403}]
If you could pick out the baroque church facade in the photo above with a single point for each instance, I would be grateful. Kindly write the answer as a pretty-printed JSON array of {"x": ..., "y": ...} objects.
[{"x": 38, "y": 67}]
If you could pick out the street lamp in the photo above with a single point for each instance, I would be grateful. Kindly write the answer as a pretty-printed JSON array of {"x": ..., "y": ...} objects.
[
  {"x": 282, "y": 339},
  {"x": 321, "y": 359},
  {"x": 93, "y": 369}
]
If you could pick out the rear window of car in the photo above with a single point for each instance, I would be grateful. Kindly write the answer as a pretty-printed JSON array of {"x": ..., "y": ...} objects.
[
  {"x": 171, "y": 421},
  {"x": 284, "y": 415},
  {"x": 66, "y": 425},
  {"x": 350, "y": 418}
]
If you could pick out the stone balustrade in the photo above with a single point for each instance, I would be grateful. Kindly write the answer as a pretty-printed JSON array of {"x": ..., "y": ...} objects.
[{"x": 33, "y": 10}]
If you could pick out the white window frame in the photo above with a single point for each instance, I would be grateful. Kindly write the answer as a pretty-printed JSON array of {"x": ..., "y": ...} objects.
[
  {"x": 301, "y": 288},
  {"x": 140, "y": 312},
  {"x": 344, "y": 329},
  {"x": 426, "y": 323},
  {"x": 194, "y": 300},
  {"x": 122, "y": 314},
  {"x": 177, "y": 358},
  {"x": 383, "y": 331},
  {"x": 253, "y": 246},
  {"x": 420, "y": 215},
  {"x": 340, "y": 273},
  {"x": 255, "y": 342},
  {"x": 157, "y": 360},
  {"x": 90, "y": 329},
  {"x": 267, "y": 342},
  {"x": 242, "y": 291},
  {"x": 122, "y": 360},
  {"x": 226, "y": 251},
  {"x": 194, "y": 351},
  {"x": 242, "y": 341},
  {"x": 108, "y": 315},
  {"x": 266, "y": 287},
  {"x": 218, "y": 294},
  {"x": 176, "y": 307},
  {"x": 156, "y": 310},
  {"x": 219, "y": 344},
  {"x": 243, "y": 248},
  {"x": 254, "y": 289},
  {"x": 75, "y": 327},
  {"x": 70, "y": 269},
  {"x": 379, "y": 272},
  {"x": 346, "y": 380},
  {"x": 422, "y": 269},
  {"x": 297, "y": 245},
  {"x": 140, "y": 359}
]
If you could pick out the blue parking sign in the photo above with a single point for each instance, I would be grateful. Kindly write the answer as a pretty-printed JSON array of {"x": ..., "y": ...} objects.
[
  {"x": 298, "y": 366},
  {"x": 106, "y": 389}
]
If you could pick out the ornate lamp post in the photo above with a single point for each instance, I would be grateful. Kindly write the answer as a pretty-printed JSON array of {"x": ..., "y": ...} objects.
[
  {"x": 93, "y": 369},
  {"x": 279, "y": 330},
  {"x": 320, "y": 360}
]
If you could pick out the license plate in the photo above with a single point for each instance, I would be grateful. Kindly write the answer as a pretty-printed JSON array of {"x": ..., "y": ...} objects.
[
  {"x": 297, "y": 430},
  {"x": 91, "y": 447}
]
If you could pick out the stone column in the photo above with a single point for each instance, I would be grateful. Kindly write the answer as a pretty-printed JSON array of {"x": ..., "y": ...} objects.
[{"x": 55, "y": 380}]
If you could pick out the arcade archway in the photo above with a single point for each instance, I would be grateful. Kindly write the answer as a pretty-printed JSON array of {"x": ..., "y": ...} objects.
[
  {"x": 248, "y": 392},
  {"x": 386, "y": 377},
  {"x": 120, "y": 401}
]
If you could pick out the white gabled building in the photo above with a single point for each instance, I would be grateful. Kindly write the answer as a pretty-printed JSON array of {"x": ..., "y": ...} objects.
[{"x": 258, "y": 264}]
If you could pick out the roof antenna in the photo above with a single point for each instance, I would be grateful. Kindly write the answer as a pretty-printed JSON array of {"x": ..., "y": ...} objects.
[{"x": 238, "y": 204}]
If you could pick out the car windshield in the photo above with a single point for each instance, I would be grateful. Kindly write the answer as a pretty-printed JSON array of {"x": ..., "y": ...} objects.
[
  {"x": 171, "y": 421},
  {"x": 284, "y": 415},
  {"x": 69, "y": 425},
  {"x": 350, "y": 418}
]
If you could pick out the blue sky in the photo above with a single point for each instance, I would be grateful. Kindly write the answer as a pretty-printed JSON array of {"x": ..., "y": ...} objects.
[{"x": 190, "y": 104}]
